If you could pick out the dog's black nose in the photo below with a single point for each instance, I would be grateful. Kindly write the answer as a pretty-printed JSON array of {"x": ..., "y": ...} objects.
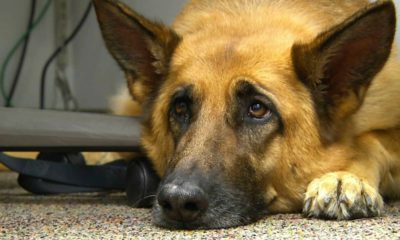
[{"x": 183, "y": 203}]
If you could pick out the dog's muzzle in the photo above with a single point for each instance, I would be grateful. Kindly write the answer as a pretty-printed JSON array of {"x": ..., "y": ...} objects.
[{"x": 194, "y": 199}]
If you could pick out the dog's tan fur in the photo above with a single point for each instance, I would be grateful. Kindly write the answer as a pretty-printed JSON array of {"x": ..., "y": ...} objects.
[{"x": 224, "y": 41}]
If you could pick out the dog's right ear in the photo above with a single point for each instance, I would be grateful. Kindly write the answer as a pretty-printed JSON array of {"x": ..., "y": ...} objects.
[{"x": 142, "y": 48}]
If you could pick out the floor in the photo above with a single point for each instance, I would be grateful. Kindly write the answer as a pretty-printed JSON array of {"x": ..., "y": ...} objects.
[{"x": 107, "y": 216}]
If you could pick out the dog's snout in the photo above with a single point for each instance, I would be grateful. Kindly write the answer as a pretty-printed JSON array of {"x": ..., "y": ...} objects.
[{"x": 183, "y": 203}]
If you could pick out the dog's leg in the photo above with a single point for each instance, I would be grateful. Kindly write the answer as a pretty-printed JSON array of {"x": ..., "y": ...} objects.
[{"x": 342, "y": 196}]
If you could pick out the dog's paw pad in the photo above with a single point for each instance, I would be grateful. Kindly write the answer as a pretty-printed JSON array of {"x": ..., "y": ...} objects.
[{"x": 341, "y": 196}]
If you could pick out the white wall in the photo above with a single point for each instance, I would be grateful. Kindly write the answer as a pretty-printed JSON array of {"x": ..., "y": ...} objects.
[
  {"x": 95, "y": 75},
  {"x": 13, "y": 22}
]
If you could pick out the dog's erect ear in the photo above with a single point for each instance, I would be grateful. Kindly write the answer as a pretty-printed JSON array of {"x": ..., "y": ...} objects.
[
  {"x": 142, "y": 48},
  {"x": 339, "y": 65}
]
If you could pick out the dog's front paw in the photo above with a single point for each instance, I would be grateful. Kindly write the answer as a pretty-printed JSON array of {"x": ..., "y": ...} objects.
[{"x": 341, "y": 195}]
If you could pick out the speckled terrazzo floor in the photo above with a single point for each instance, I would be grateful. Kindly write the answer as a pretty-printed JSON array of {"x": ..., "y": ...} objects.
[{"x": 94, "y": 216}]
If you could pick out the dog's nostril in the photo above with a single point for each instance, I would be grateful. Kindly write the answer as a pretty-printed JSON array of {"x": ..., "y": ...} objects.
[
  {"x": 166, "y": 205},
  {"x": 191, "y": 206}
]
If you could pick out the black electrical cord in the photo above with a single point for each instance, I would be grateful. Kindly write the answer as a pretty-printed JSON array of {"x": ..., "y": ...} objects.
[
  {"x": 23, "y": 55},
  {"x": 58, "y": 51}
]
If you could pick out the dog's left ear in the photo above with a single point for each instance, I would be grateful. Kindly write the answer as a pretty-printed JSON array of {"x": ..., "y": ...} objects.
[
  {"x": 141, "y": 47},
  {"x": 339, "y": 65}
]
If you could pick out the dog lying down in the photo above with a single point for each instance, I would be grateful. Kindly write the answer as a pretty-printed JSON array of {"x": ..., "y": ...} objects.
[{"x": 256, "y": 107}]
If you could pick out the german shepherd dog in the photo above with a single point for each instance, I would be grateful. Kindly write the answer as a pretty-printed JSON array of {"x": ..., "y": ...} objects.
[{"x": 255, "y": 107}]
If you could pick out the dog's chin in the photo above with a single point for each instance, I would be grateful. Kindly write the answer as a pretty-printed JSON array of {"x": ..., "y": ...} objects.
[
  {"x": 212, "y": 219},
  {"x": 222, "y": 213}
]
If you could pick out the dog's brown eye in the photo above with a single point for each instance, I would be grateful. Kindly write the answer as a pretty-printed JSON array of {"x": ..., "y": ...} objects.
[
  {"x": 258, "y": 110},
  {"x": 181, "y": 108},
  {"x": 181, "y": 111}
]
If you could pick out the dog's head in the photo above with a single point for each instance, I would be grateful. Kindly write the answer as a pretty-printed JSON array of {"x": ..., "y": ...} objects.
[{"x": 237, "y": 121}]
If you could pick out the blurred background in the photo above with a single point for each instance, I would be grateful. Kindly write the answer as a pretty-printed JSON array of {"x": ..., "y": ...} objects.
[{"x": 82, "y": 76}]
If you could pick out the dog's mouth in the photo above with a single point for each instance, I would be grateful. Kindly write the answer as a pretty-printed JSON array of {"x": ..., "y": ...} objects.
[{"x": 186, "y": 205}]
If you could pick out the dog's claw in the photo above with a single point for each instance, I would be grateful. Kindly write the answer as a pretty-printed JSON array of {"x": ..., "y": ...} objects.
[
  {"x": 369, "y": 202},
  {"x": 341, "y": 196},
  {"x": 307, "y": 206}
]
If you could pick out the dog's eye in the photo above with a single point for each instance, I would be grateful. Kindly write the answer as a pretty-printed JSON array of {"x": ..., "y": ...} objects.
[
  {"x": 258, "y": 110},
  {"x": 181, "y": 110}
]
